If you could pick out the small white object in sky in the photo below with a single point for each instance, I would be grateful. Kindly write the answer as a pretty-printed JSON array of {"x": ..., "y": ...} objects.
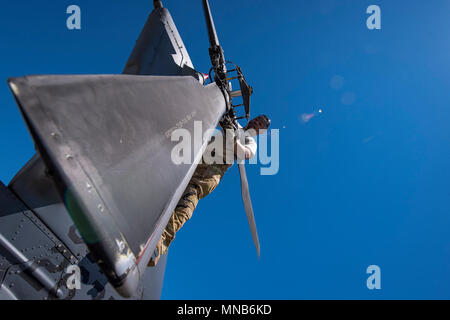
[{"x": 306, "y": 117}]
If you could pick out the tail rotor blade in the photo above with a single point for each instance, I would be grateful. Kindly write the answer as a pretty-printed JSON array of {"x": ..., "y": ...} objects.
[{"x": 248, "y": 207}]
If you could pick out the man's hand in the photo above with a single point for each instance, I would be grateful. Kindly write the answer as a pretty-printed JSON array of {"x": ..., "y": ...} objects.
[{"x": 259, "y": 123}]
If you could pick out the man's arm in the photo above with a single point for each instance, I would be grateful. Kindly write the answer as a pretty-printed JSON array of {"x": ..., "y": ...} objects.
[{"x": 248, "y": 150}]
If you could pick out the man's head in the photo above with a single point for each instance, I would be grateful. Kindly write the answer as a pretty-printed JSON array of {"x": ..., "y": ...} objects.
[{"x": 261, "y": 122}]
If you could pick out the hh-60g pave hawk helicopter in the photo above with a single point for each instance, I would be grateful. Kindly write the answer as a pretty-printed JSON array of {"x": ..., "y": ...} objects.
[{"x": 94, "y": 195}]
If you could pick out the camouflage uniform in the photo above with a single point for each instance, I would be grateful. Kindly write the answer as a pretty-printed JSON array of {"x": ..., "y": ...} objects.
[{"x": 205, "y": 179}]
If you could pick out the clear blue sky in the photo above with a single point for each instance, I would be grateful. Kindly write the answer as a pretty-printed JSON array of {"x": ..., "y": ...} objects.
[{"x": 367, "y": 182}]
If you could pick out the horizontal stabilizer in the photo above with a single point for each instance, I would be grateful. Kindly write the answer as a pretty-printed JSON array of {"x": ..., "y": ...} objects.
[{"x": 106, "y": 140}]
